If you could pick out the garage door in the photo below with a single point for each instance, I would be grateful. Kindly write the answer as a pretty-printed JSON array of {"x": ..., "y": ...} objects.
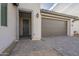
[{"x": 53, "y": 27}]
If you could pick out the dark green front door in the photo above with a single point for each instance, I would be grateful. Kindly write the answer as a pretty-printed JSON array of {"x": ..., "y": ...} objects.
[{"x": 25, "y": 27}]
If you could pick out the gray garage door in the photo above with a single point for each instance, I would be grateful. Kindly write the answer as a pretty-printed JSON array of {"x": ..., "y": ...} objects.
[{"x": 53, "y": 27}]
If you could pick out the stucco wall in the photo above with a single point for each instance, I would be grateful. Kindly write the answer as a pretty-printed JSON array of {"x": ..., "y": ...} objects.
[
  {"x": 8, "y": 33},
  {"x": 76, "y": 26},
  {"x": 36, "y": 22}
]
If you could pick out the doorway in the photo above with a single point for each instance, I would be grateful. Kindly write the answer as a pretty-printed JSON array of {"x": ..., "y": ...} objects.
[
  {"x": 25, "y": 27},
  {"x": 25, "y": 24}
]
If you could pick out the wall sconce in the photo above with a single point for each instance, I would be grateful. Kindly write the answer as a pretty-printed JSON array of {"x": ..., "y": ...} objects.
[{"x": 37, "y": 15}]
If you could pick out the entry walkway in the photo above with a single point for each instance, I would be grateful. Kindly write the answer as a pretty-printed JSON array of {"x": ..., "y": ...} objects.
[
  {"x": 48, "y": 46},
  {"x": 33, "y": 48}
]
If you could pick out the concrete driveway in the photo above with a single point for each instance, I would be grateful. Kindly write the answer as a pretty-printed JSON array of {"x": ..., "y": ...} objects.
[
  {"x": 67, "y": 46},
  {"x": 48, "y": 46}
]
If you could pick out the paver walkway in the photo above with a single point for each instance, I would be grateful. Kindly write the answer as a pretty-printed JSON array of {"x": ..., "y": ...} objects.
[
  {"x": 48, "y": 46},
  {"x": 33, "y": 48}
]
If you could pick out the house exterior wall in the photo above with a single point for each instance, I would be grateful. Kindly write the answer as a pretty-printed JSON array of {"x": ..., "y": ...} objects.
[
  {"x": 76, "y": 26},
  {"x": 36, "y": 22},
  {"x": 71, "y": 28},
  {"x": 8, "y": 33}
]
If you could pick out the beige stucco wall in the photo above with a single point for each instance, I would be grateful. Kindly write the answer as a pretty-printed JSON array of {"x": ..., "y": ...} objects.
[
  {"x": 11, "y": 32},
  {"x": 36, "y": 22},
  {"x": 8, "y": 34},
  {"x": 72, "y": 26},
  {"x": 76, "y": 26}
]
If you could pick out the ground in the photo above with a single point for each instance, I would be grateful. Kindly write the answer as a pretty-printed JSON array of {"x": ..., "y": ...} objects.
[{"x": 48, "y": 46}]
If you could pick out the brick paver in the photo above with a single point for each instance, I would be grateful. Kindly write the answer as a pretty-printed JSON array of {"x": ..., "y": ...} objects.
[{"x": 48, "y": 46}]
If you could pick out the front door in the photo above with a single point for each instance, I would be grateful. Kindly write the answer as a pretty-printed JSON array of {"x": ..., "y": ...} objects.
[{"x": 25, "y": 27}]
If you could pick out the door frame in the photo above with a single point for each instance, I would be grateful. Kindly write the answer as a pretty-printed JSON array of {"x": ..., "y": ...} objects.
[{"x": 29, "y": 20}]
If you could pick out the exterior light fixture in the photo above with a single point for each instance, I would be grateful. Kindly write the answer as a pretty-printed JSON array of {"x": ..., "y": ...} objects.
[{"x": 37, "y": 15}]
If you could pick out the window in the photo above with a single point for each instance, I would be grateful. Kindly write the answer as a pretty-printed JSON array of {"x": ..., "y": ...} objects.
[{"x": 3, "y": 14}]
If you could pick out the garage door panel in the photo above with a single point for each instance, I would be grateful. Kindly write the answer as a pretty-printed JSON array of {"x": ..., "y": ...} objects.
[{"x": 53, "y": 27}]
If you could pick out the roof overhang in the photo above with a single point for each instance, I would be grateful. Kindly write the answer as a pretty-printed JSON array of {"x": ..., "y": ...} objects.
[{"x": 47, "y": 13}]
